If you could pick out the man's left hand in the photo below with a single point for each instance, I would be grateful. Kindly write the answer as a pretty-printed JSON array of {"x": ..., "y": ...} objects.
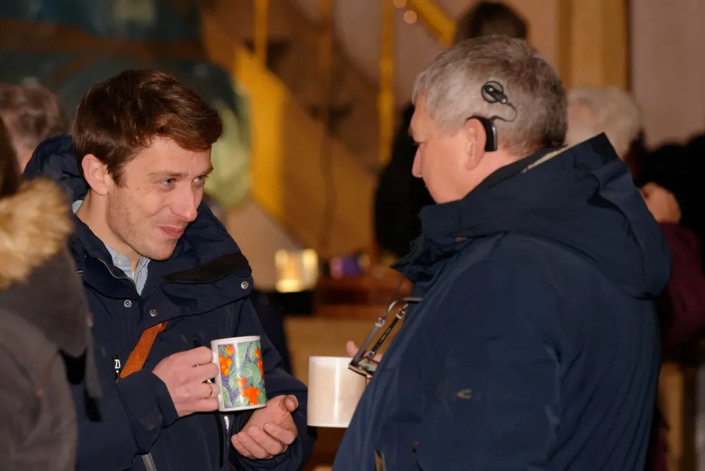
[{"x": 270, "y": 430}]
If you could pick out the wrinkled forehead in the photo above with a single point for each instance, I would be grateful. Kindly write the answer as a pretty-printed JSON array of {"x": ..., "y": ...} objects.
[
  {"x": 165, "y": 155},
  {"x": 419, "y": 118}
]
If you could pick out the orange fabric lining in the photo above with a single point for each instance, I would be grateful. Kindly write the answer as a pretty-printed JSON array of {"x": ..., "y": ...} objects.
[{"x": 139, "y": 355}]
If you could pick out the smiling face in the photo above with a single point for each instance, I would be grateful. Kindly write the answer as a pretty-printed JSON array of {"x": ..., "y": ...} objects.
[{"x": 158, "y": 196}]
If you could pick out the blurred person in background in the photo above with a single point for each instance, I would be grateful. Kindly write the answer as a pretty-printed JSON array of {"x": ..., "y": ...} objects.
[
  {"x": 594, "y": 110},
  {"x": 43, "y": 314},
  {"x": 679, "y": 168},
  {"x": 532, "y": 339},
  {"x": 32, "y": 114},
  {"x": 399, "y": 196}
]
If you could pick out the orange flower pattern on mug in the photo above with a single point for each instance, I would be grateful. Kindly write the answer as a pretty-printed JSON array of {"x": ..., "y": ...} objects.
[
  {"x": 260, "y": 363},
  {"x": 252, "y": 395},
  {"x": 242, "y": 374},
  {"x": 225, "y": 363}
]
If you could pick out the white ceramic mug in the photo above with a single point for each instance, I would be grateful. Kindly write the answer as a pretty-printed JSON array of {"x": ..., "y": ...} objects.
[
  {"x": 333, "y": 391},
  {"x": 241, "y": 376}
]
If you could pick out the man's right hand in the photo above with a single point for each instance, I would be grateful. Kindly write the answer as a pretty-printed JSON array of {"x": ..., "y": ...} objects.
[
  {"x": 185, "y": 374},
  {"x": 352, "y": 349}
]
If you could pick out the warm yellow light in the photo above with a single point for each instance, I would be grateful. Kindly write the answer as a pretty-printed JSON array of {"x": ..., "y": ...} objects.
[
  {"x": 296, "y": 271},
  {"x": 400, "y": 3},
  {"x": 410, "y": 17}
]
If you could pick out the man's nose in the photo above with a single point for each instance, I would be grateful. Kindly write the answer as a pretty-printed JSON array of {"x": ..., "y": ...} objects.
[{"x": 187, "y": 206}]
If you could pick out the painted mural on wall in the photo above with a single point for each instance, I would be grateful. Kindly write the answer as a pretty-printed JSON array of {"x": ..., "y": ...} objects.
[{"x": 69, "y": 45}]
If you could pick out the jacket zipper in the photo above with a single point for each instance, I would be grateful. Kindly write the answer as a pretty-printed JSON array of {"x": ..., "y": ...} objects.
[
  {"x": 149, "y": 462},
  {"x": 146, "y": 459},
  {"x": 118, "y": 277}
]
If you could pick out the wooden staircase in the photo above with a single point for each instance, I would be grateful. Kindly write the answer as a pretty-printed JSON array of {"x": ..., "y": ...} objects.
[
  {"x": 297, "y": 171},
  {"x": 293, "y": 58}
]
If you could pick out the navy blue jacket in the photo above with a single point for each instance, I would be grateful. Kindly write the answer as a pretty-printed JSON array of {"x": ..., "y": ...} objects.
[
  {"x": 202, "y": 291},
  {"x": 536, "y": 344}
]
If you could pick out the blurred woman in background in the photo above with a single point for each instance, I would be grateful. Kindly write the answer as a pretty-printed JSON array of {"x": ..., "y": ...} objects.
[{"x": 43, "y": 315}]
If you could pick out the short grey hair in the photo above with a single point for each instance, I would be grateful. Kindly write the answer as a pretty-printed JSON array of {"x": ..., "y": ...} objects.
[
  {"x": 452, "y": 88},
  {"x": 612, "y": 111}
]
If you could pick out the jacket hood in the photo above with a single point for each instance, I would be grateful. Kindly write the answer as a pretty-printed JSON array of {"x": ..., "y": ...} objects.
[
  {"x": 37, "y": 277},
  {"x": 35, "y": 227},
  {"x": 581, "y": 198}
]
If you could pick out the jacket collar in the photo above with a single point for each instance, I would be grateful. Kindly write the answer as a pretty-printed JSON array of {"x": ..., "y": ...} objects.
[
  {"x": 581, "y": 199},
  {"x": 454, "y": 220},
  {"x": 444, "y": 230},
  {"x": 197, "y": 260}
]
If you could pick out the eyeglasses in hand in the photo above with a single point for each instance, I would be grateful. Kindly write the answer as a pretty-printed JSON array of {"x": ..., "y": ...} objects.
[{"x": 364, "y": 362}]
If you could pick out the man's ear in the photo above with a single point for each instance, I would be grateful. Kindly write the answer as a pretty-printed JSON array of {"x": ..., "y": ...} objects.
[
  {"x": 475, "y": 139},
  {"x": 96, "y": 174}
]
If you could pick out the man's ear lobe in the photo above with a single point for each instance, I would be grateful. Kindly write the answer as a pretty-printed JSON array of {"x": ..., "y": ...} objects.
[{"x": 96, "y": 174}]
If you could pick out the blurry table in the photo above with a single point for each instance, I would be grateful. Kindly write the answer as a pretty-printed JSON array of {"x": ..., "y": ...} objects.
[
  {"x": 345, "y": 309},
  {"x": 321, "y": 336},
  {"x": 365, "y": 296}
]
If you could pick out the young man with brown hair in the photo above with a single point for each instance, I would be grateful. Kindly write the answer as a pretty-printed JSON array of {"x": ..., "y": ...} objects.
[
  {"x": 31, "y": 113},
  {"x": 160, "y": 270}
]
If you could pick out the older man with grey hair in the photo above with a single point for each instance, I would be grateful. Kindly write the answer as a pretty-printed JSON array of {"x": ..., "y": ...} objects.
[
  {"x": 531, "y": 338},
  {"x": 609, "y": 110}
]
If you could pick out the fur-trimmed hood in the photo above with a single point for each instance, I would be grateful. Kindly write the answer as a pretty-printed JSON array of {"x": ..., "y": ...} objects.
[
  {"x": 38, "y": 279},
  {"x": 34, "y": 226}
]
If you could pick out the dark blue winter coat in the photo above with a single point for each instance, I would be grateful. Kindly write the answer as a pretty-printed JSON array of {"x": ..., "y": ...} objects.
[
  {"x": 202, "y": 291},
  {"x": 536, "y": 344}
]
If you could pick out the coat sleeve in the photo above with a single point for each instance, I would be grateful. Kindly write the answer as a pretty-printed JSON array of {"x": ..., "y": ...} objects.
[
  {"x": 497, "y": 404},
  {"x": 124, "y": 423},
  {"x": 278, "y": 383},
  {"x": 37, "y": 431},
  {"x": 685, "y": 293}
]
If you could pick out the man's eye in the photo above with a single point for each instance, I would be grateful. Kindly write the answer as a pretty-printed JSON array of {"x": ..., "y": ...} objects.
[
  {"x": 168, "y": 182},
  {"x": 200, "y": 180}
]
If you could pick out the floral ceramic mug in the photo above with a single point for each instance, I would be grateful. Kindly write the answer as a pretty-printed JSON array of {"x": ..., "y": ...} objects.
[{"x": 241, "y": 376}]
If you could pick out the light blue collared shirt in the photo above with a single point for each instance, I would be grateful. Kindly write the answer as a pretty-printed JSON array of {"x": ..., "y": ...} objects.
[{"x": 139, "y": 277}]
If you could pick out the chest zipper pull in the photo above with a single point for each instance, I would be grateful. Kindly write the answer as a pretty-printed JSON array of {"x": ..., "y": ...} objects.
[{"x": 117, "y": 366}]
